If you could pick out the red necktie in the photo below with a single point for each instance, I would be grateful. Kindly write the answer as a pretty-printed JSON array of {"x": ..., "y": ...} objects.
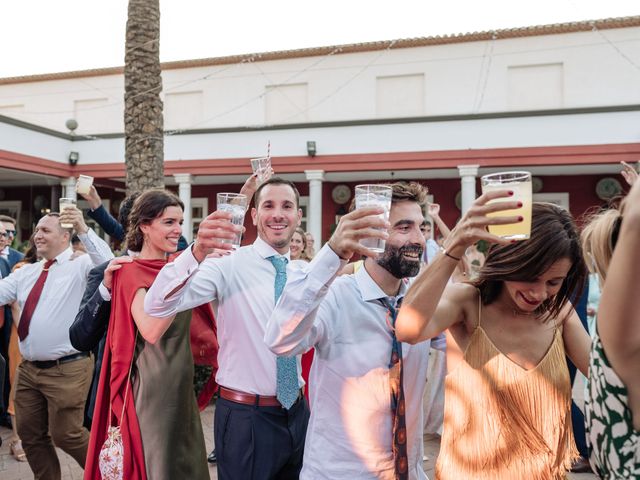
[{"x": 32, "y": 301}]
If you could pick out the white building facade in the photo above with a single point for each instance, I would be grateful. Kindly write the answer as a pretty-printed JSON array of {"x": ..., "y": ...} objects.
[{"x": 562, "y": 101}]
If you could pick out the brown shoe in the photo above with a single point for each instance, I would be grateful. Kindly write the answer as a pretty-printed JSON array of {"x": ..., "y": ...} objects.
[
  {"x": 581, "y": 465},
  {"x": 17, "y": 451}
]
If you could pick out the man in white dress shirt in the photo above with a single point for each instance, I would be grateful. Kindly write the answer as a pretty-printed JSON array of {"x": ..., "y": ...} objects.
[
  {"x": 347, "y": 320},
  {"x": 54, "y": 378},
  {"x": 257, "y": 436}
]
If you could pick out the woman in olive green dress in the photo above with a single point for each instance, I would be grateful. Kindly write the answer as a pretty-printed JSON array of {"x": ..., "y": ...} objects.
[{"x": 146, "y": 384}]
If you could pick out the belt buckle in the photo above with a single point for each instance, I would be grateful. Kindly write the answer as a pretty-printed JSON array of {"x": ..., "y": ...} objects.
[{"x": 44, "y": 364}]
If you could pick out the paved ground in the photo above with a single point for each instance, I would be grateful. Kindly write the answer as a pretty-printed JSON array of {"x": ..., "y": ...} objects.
[{"x": 10, "y": 469}]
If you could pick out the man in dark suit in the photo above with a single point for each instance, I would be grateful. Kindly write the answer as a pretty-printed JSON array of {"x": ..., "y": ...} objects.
[
  {"x": 5, "y": 331},
  {"x": 3, "y": 368},
  {"x": 9, "y": 254},
  {"x": 89, "y": 330}
]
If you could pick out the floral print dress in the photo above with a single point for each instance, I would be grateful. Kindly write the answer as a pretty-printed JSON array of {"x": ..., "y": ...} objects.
[{"x": 615, "y": 443}]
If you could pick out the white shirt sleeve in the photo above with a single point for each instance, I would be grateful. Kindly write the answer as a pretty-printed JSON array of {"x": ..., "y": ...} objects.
[
  {"x": 97, "y": 249},
  {"x": 104, "y": 293},
  {"x": 181, "y": 285},
  {"x": 291, "y": 329},
  {"x": 9, "y": 288}
]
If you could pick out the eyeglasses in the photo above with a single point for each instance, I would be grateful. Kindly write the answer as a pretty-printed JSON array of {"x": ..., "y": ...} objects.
[
  {"x": 11, "y": 233},
  {"x": 3, "y": 234}
]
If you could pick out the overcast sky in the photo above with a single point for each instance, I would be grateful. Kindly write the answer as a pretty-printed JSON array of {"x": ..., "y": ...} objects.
[{"x": 43, "y": 36}]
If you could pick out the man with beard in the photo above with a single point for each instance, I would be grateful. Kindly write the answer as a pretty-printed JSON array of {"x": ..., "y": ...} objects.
[{"x": 366, "y": 396}]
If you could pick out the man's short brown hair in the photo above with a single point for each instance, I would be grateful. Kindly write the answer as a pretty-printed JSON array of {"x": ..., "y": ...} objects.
[
  {"x": 276, "y": 181},
  {"x": 401, "y": 191},
  {"x": 6, "y": 218},
  {"x": 412, "y": 191}
]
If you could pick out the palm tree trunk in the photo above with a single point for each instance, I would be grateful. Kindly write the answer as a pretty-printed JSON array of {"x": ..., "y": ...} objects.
[{"x": 143, "y": 118}]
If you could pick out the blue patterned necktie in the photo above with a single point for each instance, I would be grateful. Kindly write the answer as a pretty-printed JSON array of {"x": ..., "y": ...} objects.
[
  {"x": 287, "y": 389},
  {"x": 399, "y": 428}
]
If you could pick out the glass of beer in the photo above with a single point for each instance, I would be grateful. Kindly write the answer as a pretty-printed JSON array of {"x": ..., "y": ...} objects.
[
  {"x": 520, "y": 184},
  {"x": 66, "y": 203},
  {"x": 374, "y": 196},
  {"x": 236, "y": 204}
]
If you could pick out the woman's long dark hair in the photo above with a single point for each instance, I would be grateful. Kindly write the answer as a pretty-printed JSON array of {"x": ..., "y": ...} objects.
[
  {"x": 554, "y": 236},
  {"x": 146, "y": 208},
  {"x": 31, "y": 255}
]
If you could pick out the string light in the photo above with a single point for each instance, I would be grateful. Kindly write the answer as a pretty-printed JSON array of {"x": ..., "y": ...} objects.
[
  {"x": 487, "y": 70},
  {"x": 252, "y": 99},
  {"x": 614, "y": 46},
  {"x": 327, "y": 97},
  {"x": 594, "y": 28}
]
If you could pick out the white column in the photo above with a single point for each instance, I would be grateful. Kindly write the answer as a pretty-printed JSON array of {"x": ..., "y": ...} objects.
[
  {"x": 184, "y": 181},
  {"x": 314, "y": 212},
  {"x": 468, "y": 174},
  {"x": 69, "y": 187}
]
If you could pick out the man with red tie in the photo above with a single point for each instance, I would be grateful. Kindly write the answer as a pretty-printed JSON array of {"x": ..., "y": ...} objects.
[{"x": 53, "y": 378}]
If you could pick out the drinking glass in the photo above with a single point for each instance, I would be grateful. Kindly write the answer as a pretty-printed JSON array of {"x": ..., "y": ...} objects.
[
  {"x": 261, "y": 167},
  {"x": 84, "y": 184},
  {"x": 66, "y": 203},
  {"x": 236, "y": 204},
  {"x": 374, "y": 196},
  {"x": 520, "y": 184}
]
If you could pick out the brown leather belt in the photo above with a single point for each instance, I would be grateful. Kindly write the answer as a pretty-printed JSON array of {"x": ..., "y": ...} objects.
[{"x": 250, "y": 398}]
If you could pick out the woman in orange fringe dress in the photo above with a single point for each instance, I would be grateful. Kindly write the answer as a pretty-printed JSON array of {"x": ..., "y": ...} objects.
[{"x": 507, "y": 391}]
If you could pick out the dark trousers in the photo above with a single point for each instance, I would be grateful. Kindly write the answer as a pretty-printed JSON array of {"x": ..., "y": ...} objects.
[
  {"x": 259, "y": 443},
  {"x": 3, "y": 368},
  {"x": 5, "y": 388}
]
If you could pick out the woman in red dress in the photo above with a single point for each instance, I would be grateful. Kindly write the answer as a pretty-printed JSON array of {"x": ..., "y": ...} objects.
[{"x": 146, "y": 383}]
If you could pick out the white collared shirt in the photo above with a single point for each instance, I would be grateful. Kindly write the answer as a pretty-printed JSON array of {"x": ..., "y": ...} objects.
[
  {"x": 58, "y": 305},
  {"x": 242, "y": 287},
  {"x": 5, "y": 251},
  {"x": 104, "y": 292},
  {"x": 349, "y": 432}
]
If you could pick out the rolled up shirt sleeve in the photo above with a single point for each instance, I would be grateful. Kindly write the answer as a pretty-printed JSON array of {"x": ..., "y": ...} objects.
[
  {"x": 97, "y": 249},
  {"x": 104, "y": 292},
  {"x": 174, "y": 289},
  {"x": 291, "y": 328}
]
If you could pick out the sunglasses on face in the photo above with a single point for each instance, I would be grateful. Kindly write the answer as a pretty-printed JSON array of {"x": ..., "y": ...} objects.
[{"x": 11, "y": 233}]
